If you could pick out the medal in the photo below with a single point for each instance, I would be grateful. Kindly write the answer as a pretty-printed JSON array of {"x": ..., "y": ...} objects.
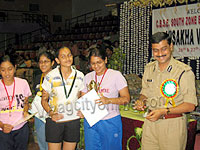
[
  {"x": 92, "y": 85},
  {"x": 39, "y": 93},
  {"x": 169, "y": 90}
]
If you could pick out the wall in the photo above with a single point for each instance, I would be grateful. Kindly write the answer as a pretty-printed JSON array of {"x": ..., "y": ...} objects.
[
  {"x": 80, "y": 7},
  {"x": 66, "y": 8},
  {"x": 48, "y": 7}
]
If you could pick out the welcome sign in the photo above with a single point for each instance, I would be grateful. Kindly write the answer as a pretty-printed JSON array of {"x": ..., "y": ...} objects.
[{"x": 183, "y": 22}]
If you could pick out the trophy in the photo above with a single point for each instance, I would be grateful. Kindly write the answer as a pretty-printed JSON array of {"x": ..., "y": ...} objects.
[{"x": 92, "y": 85}]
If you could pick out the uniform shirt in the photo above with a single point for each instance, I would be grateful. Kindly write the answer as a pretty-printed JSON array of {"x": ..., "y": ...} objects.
[
  {"x": 22, "y": 90},
  {"x": 54, "y": 86},
  {"x": 153, "y": 78},
  {"x": 111, "y": 84}
]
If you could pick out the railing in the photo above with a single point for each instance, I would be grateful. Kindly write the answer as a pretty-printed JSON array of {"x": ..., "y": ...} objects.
[
  {"x": 69, "y": 23},
  {"x": 24, "y": 17},
  {"x": 25, "y": 38}
]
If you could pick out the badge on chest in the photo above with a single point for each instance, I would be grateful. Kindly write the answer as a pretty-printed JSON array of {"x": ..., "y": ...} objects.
[
  {"x": 169, "y": 90},
  {"x": 149, "y": 80}
]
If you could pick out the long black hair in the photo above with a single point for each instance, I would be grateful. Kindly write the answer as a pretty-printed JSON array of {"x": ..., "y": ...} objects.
[
  {"x": 98, "y": 51},
  {"x": 50, "y": 55},
  {"x": 9, "y": 59},
  {"x": 57, "y": 52}
]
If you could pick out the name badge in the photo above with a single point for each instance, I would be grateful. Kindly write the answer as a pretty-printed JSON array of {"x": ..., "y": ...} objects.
[{"x": 149, "y": 80}]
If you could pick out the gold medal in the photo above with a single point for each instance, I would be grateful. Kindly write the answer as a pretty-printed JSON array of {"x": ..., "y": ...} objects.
[
  {"x": 92, "y": 85},
  {"x": 39, "y": 93}
]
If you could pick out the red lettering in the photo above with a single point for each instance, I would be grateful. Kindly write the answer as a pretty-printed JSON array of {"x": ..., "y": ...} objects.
[
  {"x": 162, "y": 23},
  {"x": 199, "y": 19},
  {"x": 156, "y": 23},
  {"x": 177, "y": 22},
  {"x": 191, "y": 20}
]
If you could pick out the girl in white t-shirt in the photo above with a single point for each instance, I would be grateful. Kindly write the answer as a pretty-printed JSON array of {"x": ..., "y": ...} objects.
[{"x": 61, "y": 89}]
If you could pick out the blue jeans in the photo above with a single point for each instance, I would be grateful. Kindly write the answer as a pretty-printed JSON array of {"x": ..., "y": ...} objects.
[
  {"x": 15, "y": 140},
  {"x": 40, "y": 133},
  {"x": 104, "y": 135}
]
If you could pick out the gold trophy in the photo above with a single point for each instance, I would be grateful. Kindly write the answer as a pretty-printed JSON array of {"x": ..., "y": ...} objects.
[{"x": 92, "y": 85}]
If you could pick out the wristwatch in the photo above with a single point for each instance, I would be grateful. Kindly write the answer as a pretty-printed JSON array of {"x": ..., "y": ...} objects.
[{"x": 168, "y": 110}]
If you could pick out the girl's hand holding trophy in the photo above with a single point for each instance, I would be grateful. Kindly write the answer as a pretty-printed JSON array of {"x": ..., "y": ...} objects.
[{"x": 103, "y": 100}]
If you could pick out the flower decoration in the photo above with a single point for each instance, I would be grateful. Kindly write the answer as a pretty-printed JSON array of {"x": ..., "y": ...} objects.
[{"x": 156, "y": 3}]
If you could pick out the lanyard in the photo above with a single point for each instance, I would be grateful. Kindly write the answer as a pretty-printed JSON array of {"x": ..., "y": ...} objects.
[
  {"x": 39, "y": 93},
  {"x": 41, "y": 80},
  {"x": 71, "y": 85},
  {"x": 101, "y": 79},
  {"x": 10, "y": 101}
]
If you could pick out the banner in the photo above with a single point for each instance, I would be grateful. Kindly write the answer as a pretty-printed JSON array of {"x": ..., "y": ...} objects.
[{"x": 184, "y": 23}]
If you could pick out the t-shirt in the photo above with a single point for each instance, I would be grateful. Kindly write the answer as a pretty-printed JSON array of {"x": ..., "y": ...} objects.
[
  {"x": 110, "y": 86},
  {"x": 22, "y": 90},
  {"x": 57, "y": 99}
]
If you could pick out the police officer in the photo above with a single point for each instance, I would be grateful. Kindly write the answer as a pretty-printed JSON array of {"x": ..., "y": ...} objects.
[{"x": 168, "y": 90}]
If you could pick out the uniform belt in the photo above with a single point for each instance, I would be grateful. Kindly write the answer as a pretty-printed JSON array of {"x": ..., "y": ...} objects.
[{"x": 171, "y": 116}]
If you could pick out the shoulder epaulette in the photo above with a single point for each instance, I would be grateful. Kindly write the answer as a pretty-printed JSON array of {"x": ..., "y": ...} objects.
[
  {"x": 183, "y": 66},
  {"x": 150, "y": 64}
]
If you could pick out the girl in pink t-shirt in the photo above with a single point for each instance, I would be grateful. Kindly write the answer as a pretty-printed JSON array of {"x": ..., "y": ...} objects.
[
  {"x": 14, "y": 93},
  {"x": 112, "y": 86}
]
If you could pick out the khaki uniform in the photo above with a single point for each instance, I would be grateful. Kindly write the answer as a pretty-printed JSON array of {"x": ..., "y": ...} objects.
[{"x": 167, "y": 134}]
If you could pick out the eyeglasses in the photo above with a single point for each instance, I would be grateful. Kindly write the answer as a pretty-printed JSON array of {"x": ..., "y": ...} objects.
[{"x": 44, "y": 62}]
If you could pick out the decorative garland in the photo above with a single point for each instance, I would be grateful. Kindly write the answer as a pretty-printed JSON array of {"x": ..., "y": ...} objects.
[
  {"x": 195, "y": 67},
  {"x": 157, "y": 3},
  {"x": 134, "y": 37}
]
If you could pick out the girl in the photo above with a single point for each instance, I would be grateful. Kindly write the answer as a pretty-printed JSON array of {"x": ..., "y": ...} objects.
[
  {"x": 13, "y": 106},
  {"x": 46, "y": 61},
  {"x": 62, "y": 87},
  {"x": 107, "y": 133}
]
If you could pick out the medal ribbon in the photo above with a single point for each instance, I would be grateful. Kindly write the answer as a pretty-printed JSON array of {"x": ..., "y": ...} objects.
[
  {"x": 10, "y": 101},
  {"x": 67, "y": 95},
  {"x": 41, "y": 80},
  {"x": 39, "y": 93},
  {"x": 101, "y": 79}
]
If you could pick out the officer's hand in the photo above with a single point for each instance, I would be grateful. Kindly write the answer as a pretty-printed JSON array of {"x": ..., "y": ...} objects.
[
  {"x": 139, "y": 105},
  {"x": 156, "y": 114}
]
